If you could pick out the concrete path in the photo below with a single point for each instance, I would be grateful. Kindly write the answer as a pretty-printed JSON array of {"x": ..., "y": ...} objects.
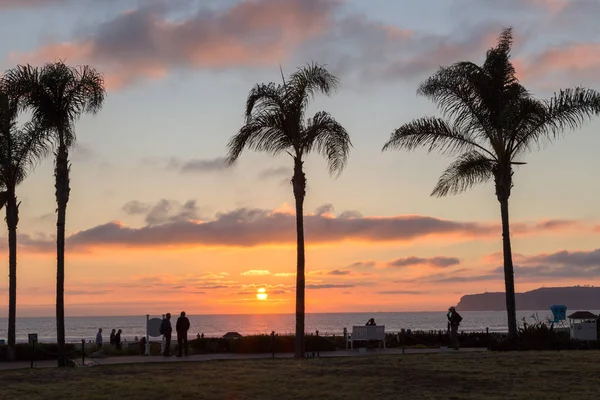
[{"x": 4, "y": 366}]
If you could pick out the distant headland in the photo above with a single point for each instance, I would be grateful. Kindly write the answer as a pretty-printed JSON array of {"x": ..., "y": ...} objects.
[{"x": 575, "y": 297}]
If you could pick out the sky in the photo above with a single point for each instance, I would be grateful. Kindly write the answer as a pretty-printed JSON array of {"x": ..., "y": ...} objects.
[{"x": 158, "y": 222}]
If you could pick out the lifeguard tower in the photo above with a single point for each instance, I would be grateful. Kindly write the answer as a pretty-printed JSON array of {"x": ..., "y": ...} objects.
[{"x": 559, "y": 315}]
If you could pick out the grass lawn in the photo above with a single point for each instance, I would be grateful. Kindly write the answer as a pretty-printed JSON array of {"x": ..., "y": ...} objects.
[{"x": 526, "y": 375}]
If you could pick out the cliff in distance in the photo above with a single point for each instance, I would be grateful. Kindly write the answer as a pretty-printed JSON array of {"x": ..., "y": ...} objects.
[{"x": 575, "y": 298}]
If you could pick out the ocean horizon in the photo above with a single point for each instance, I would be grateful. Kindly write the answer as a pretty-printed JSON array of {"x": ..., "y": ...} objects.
[{"x": 216, "y": 325}]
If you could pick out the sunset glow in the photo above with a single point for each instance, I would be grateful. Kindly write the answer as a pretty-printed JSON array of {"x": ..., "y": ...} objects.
[{"x": 261, "y": 294}]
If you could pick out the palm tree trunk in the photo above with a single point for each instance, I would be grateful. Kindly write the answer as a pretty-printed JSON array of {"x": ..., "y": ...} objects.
[
  {"x": 62, "y": 198},
  {"x": 12, "y": 219},
  {"x": 509, "y": 273},
  {"x": 299, "y": 184}
]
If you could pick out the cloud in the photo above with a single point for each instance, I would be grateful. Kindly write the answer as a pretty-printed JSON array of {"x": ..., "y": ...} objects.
[
  {"x": 561, "y": 264},
  {"x": 199, "y": 165},
  {"x": 578, "y": 60},
  {"x": 256, "y": 272},
  {"x": 87, "y": 292},
  {"x": 284, "y": 274},
  {"x": 135, "y": 207},
  {"x": 400, "y": 292},
  {"x": 30, "y": 3},
  {"x": 440, "y": 262},
  {"x": 338, "y": 272},
  {"x": 147, "y": 43},
  {"x": 247, "y": 227},
  {"x": 329, "y": 286},
  {"x": 164, "y": 211},
  {"x": 362, "y": 265},
  {"x": 25, "y": 4},
  {"x": 275, "y": 173},
  {"x": 83, "y": 153}
]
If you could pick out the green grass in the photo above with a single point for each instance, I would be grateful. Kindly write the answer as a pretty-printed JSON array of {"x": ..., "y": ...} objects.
[{"x": 525, "y": 375}]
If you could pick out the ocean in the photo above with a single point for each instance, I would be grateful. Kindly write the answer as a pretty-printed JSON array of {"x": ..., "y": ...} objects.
[{"x": 78, "y": 328}]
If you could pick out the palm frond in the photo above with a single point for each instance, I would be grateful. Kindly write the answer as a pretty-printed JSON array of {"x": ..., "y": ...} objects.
[
  {"x": 470, "y": 169},
  {"x": 328, "y": 137},
  {"x": 266, "y": 133},
  {"x": 264, "y": 97},
  {"x": 313, "y": 78},
  {"x": 434, "y": 134},
  {"x": 457, "y": 92},
  {"x": 303, "y": 85},
  {"x": 569, "y": 109},
  {"x": 33, "y": 144},
  {"x": 58, "y": 95}
]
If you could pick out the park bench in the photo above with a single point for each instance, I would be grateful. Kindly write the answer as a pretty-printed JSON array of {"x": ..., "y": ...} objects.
[{"x": 367, "y": 333}]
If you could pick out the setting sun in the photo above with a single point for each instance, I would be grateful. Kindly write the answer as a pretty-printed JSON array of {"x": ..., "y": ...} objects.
[{"x": 261, "y": 294}]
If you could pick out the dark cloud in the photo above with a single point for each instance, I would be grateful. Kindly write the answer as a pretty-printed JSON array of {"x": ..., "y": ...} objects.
[
  {"x": 83, "y": 153},
  {"x": 441, "y": 262},
  {"x": 164, "y": 211},
  {"x": 324, "y": 209},
  {"x": 199, "y": 165},
  {"x": 87, "y": 292},
  {"x": 135, "y": 207},
  {"x": 561, "y": 264},
  {"x": 338, "y": 272},
  {"x": 148, "y": 42},
  {"x": 401, "y": 292},
  {"x": 329, "y": 286},
  {"x": 276, "y": 173},
  {"x": 362, "y": 265},
  {"x": 244, "y": 227}
]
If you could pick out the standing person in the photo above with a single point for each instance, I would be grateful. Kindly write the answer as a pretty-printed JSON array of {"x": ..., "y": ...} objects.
[
  {"x": 454, "y": 320},
  {"x": 118, "y": 340},
  {"x": 166, "y": 330},
  {"x": 99, "y": 339},
  {"x": 182, "y": 327},
  {"x": 112, "y": 337}
]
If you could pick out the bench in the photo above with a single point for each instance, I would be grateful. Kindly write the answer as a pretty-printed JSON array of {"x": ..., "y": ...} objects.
[{"x": 367, "y": 333}]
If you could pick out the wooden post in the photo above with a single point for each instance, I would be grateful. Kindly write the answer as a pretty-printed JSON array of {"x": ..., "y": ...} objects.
[
  {"x": 487, "y": 337},
  {"x": 82, "y": 352},
  {"x": 346, "y": 337}
]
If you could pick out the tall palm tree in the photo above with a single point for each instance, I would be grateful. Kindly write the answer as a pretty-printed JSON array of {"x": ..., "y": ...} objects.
[
  {"x": 57, "y": 95},
  {"x": 491, "y": 122},
  {"x": 20, "y": 149},
  {"x": 275, "y": 124}
]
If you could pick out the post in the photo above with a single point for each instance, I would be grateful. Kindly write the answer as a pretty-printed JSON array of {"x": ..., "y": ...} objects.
[
  {"x": 487, "y": 337},
  {"x": 272, "y": 344},
  {"x": 346, "y": 337},
  {"x": 318, "y": 346},
  {"x": 32, "y": 354},
  {"x": 402, "y": 340},
  {"x": 82, "y": 351},
  {"x": 147, "y": 336}
]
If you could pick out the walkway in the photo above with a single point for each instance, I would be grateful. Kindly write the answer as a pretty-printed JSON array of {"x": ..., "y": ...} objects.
[{"x": 4, "y": 366}]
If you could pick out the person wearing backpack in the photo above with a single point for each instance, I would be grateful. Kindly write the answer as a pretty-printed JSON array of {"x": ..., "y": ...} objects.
[
  {"x": 166, "y": 330},
  {"x": 454, "y": 320}
]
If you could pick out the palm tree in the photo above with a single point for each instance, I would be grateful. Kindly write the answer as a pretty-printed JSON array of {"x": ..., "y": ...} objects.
[
  {"x": 20, "y": 150},
  {"x": 275, "y": 124},
  {"x": 491, "y": 122},
  {"x": 57, "y": 95}
]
